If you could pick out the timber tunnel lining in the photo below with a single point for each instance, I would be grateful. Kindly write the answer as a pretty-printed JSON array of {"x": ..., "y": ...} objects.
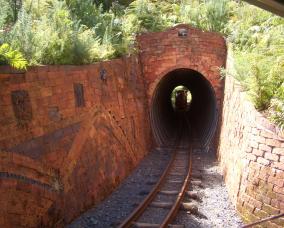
[{"x": 201, "y": 117}]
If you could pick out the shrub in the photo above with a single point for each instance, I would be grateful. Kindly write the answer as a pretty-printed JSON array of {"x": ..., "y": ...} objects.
[
  {"x": 12, "y": 57},
  {"x": 5, "y": 13},
  {"x": 258, "y": 46},
  {"x": 22, "y": 37},
  {"x": 88, "y": 13},
  {"x": 148, "y": 16},
  {"x": 276, "y": 112}
]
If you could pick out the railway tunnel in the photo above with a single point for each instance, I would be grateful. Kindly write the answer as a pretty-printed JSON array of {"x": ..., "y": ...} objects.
[{"x": 200, "y": 119}]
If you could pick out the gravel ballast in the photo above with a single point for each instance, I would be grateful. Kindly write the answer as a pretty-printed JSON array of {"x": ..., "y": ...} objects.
[{"x": 215, "y": 208}]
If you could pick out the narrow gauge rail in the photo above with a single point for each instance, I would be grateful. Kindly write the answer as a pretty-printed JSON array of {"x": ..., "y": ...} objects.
[{"x": 177, "y": 175}]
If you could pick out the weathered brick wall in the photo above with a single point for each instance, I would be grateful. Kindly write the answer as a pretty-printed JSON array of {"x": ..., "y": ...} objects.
[
  {"x": 27, "y": 190},
  {"x": 163, "y": 52},
  {"x": 87, "y": 122},
  {"x": 251, "y": 152},
  {"x": 115, "y": 157},
  {"x": 52, "y": 104},
  {"x": 55, "y": 118}
]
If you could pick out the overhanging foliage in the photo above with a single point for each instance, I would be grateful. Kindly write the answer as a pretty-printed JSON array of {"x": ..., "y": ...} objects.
[{"x": 83, "y": 32}]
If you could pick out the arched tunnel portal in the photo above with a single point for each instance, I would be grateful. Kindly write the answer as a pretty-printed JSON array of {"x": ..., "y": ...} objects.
[{"x": 200, "y": 119}]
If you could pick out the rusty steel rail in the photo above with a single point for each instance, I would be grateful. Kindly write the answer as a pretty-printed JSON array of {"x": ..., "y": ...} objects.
[
  {"x": 136, "y": 214},
  {"x": 128, "y": 222},
  {"x": 264, "y": 220},
  {"x": 171, "y": 215}
]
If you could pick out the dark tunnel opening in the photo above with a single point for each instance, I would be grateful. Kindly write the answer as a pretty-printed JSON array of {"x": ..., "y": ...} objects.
[{"x": 201, "y": 117}]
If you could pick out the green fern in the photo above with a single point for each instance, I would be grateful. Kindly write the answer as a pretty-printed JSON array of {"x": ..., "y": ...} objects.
[{"x": 12, "y": 57}]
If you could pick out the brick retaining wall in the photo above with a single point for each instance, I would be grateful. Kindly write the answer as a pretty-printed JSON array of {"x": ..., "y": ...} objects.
[
  {"x": 27, "y": 190},
  {"x": 47, "y": 100},
  {"x": 89, "y": 123},
  {"x": 251, "y": 152}
]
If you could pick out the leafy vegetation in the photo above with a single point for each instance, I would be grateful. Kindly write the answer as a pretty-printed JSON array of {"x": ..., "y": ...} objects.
[
  {"x": 257, "y": 43},
  {"x": 83, "y": 32},
  {"x": 12, "y": 57}
]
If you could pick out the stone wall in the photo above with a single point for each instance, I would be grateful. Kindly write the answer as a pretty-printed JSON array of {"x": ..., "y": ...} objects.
[
  {"x": 251, "y": 152},
  {"x": 88, "y": 123}
]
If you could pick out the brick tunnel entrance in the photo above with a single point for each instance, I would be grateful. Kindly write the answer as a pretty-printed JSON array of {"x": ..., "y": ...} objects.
[{"x": 201, "y": 118}]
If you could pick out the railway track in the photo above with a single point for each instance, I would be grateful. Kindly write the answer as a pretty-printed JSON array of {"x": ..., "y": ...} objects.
[{"x": 161, "y": 205}]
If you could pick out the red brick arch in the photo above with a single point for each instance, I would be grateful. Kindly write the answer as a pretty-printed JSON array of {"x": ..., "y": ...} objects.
[
  {"x": 164, "y": 52},
  {"x": 153, "y": 85}
]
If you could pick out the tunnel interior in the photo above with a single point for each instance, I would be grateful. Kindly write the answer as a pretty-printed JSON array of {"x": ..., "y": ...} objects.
[{"x": 197, "y": 123}]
